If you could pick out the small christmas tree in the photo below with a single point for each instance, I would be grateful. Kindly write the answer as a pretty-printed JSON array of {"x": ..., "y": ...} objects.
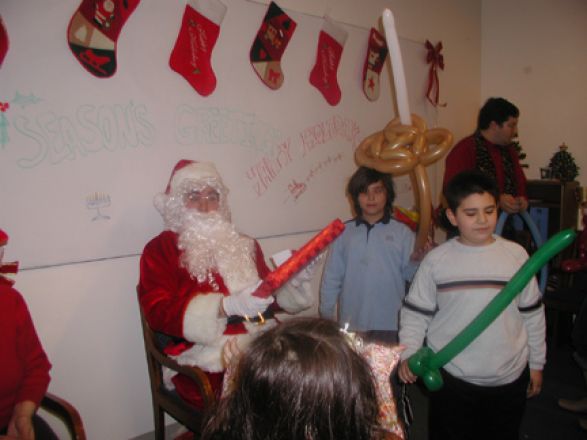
[{"x": 563, "y": 165}]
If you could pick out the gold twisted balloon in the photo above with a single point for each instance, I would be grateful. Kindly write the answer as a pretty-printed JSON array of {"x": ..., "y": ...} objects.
[{"x": 400, "y": 149}]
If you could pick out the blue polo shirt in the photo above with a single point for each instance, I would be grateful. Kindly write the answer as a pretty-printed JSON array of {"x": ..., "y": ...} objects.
[{"x": 365, "y": 274}]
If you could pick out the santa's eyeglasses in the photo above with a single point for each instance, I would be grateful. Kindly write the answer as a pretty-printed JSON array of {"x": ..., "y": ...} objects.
[{"x": 197, "y": 196}]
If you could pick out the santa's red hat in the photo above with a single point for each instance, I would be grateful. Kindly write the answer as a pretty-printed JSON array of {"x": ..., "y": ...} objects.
[
  {"x": 187, "y": 169},
  {"x": 3, "y": 238}
]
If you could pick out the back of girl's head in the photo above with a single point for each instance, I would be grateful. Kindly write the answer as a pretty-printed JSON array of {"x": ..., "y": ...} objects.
[
  {"x": 301, "y": 381},
  {"x": 466, "y": 183},
  {"x": 361, "y": 180}
]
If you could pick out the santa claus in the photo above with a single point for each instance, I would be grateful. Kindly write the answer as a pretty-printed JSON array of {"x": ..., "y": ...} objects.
[{"x": 197, "y": 277}]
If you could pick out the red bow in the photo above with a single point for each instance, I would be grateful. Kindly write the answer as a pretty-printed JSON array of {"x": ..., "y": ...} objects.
[{"x": 436, "y": 60}]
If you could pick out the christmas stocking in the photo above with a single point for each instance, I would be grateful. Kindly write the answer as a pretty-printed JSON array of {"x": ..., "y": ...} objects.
[
  {"x": 193, "y": 49},
  {"x": 269, "y": 45},
  {"x": 376, "y": 54},
  {"x": 93, "y": 32},
  {"x": 3, "y": 41},
  {"x": 328, "y": 54}
]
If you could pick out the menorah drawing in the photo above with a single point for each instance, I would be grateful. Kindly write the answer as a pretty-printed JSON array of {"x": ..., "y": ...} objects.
[{"x": 97, "y": 201}]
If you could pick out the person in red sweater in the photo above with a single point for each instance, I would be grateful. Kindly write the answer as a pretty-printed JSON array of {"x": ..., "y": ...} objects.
[
  {"x": 24, "y": 369},
  {"x": 197, "y": 277},
  {"x": 490, "y": 149}
]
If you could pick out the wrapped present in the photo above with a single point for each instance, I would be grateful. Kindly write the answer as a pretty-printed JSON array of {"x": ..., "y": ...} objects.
[{"x": 383, "y": 359}]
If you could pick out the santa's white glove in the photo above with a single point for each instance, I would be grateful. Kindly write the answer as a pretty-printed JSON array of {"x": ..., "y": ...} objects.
[
  {"x": 243, "y": 303},
  {"x": 306, "y": 274}
]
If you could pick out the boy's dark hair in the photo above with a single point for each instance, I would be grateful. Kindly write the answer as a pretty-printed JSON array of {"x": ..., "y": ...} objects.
[
  {"x": 466, "y": 183},
  {"x": 361, "y": 180},
  {"x": 498, "y": 110},
  {"x": 299, "y": 380}
]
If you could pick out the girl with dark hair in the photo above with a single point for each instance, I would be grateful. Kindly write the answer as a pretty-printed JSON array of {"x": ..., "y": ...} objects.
[{"x": 301, "y": 380}]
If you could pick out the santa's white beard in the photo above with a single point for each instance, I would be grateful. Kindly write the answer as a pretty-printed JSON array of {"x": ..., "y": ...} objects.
[{"x": 210, "y": 244}]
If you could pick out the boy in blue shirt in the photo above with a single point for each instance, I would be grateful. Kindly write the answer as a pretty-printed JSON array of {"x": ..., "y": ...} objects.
[
  {"x": 486, "y": 385},
  {"x": 369, "y": 264}
]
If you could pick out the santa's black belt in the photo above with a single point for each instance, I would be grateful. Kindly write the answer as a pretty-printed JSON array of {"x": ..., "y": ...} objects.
[{"x": 237, "y": 319}]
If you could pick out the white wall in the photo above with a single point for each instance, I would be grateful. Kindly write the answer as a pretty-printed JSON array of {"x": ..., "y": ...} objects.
[
  {"x": 533, "y": 53},
  {"x": 86, "y": 314},
  {"x": 457, "y": 24}
]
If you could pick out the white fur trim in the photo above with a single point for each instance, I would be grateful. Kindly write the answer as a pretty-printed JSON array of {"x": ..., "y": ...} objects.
[
  {"x": 209, "y": 357},
  {"x": 168, "y": 374},
  {"x": 213, "y": 10},
  {"x": 159, "y": 201},
  {"x": 194, "y": 171},
  {"x": 201, "y": 323},
  {"x": 294, "y": 299},
  {"x": 335, "y": 30}
]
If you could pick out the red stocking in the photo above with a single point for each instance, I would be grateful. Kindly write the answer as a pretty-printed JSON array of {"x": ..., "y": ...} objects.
[
  {"x": 328, "y": 54},
  {"x": 193, "y": 48},
  {"x": 93, "y": 33},
  {"x": 376, "y": 54},
  {"x": 3, "y": 41},
  {"x": 269, "y": 45}
]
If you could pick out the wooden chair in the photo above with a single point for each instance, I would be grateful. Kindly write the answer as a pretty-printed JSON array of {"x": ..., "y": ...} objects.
[
  {"x": 66, "y": 412},
  {"x": 166, "y": 401}
]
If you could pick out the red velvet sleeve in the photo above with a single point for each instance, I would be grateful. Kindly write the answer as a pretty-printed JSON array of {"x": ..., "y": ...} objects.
[
  {"x": 33, "y": 359},
  {"x": 460, "y": 158},
  {"x": 164, "y": 288}
]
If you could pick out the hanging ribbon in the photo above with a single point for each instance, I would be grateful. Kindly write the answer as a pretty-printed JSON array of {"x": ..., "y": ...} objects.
[
  {"x": 4, "y": 106},
  {"x": 436, "y": 61}
]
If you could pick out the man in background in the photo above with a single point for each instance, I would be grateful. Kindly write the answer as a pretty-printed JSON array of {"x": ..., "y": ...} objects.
[{"x": 490, "y": 149}]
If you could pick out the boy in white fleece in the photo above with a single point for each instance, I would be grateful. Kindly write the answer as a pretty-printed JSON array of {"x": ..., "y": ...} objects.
[{"x": 486, "y": 385}]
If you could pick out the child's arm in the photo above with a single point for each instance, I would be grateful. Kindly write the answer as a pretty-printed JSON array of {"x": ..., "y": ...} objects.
[
  {"x": 405, "y": 374},
  {"x": 535, "y": 385},
  {"x": 415, "y": 316},
  {"x": 332, "y": 278},
  {"x": 532, "y": 311},
  {"x": 409, "y": 264}
]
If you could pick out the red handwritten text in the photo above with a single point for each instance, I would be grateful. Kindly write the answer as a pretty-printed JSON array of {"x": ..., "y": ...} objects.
[
  {"x": 268, "y": 168},
  {"x": 325, "y": 131}
]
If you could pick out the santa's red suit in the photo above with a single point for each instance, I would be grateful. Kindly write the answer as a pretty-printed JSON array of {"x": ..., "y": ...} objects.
[{"x": 177, "y": 304}]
